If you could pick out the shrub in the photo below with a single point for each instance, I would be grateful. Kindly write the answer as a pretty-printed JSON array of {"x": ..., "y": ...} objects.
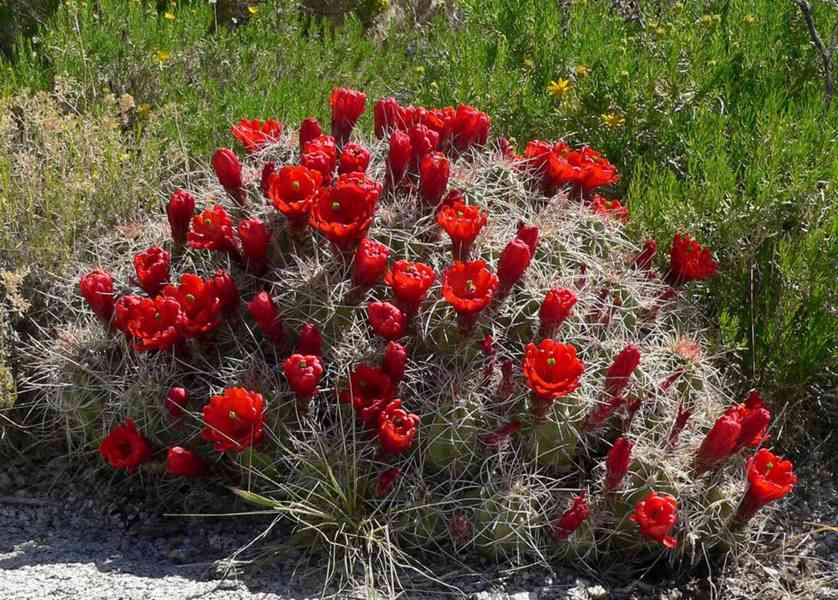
[{"x": 441, "y": 409}]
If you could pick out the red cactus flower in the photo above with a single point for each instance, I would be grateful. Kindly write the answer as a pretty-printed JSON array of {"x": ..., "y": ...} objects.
[
  {"x": 552, "y": 371},
  {"x": 370, "y": 262},
  {"x": 387, "y": 116},
  {"x": 433, "y": 177},
  {"x": 395, "y": 361},
  {"x": 344, "y": 212},
  {"x": 303, "y": 373},
  {"x": 396, "y": 428},
  {"x": 152, "y": 268},
  {"x": 387, "y": 320},
  {"x": 224, "y": 288},
  {"x": 470, "y": 127},
  {"x": 689, "y": 260},
  {"x": 234, "y": 420},
  {"x": 181, "y": 462},
  {"x": 501, "y": 436},
  {"x": 617, "y": 463},
  {"x": 563, "y": 527},
  {"x": 370, "y": 390},
  {"x": 264, "y": 312},
  {"x": 228, "y": 169},
  {"x": 354, "y": 158},
  {"x": 656, "y": 515},
  {"x": 125, "y": 448},
  {"x": 386, "y": 480},
  {"x": 124, "y": 310},
  {"x": 513, "y": 262},
  {"x": 609, "y": 208},
  {"x": 179, "y": 211},
  {"x": 176, "y": 401},
  {"x": 410, "y": 282},
  {"x": 347, "y": 106},
  {"x": 321, "y": 155},
  {"x": 156, "y": 324},
  {"x": 537, "y": 155},
  {"x": 423, "y": 141},
  {"x": 462, "y": 223},
  {"x": 617, "y": 376},
  {"x": 557, "y": 305},
  {"x": 398, "y": 157},
  {"x": 309, "y": 341},
  {"x": 718, "y": 444},
  {"x": 469, "y": 287},
  {"x": 97, "y": 290},
  {"x": 268, "y": 171},
  {"x": 585, "y": 168},
  {"x": 212, "y": 229},
  {"x": 754, "y": 418},
  {"x": 253, "y": 133},
  {"x": 769, "y": 479},
  {"x": 644, "y": 259},
  {"x": 529, "y": 234},
  {"x": 292, "y": 191},
  {"x": 309, "y": 130},
  {"x": 681, "y": 419},
  {"x": 487, "y": 346},
  {"x": 598, "y": 416},
  {"x": 255, "y": 238},
  {"x": 200, "y": 306}
]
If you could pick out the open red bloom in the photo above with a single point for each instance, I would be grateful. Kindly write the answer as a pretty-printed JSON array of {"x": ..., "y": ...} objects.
[
  {"x": 644, "y": 259},
  {"x": 769, "y": 479},
  {"x": 309, "y": 130},
  {"x": 370, "y": 262},
  {"x": 292, "y": 191},
  {"x": 199, "y": 303},
  {"x": 656, "y": 515},
  {"x": 513, "y": 262},
  {"x": 386, "y": 320},
  {"x": 719, "y": 443},
  {"x": 398, "y": 157},
  {"x": 469, "y": 287},
  {"x": 609, "y": 208},
  {"x": 179, "y": 211},
  {"x": 462, "y": 223},
  {"x": 370, "y": 390},
  {"x": 224, "y": 288},
  {"x": 156, "y": 324},
  {"x": 184, "y": 463},
  {"x": 303, "y": 373},
  {"x": 176, "y": 401},
  {"x": 152, "y": 268},
  {"x": 253, "y": 133},
  {"x": 410, "y": 282},
  {"x": 123, "y": 311},
  {"x": 552, "y": 369},
  {"x": 125, "y": 448},
  {"x": 234, "y": 420},
  {"x": 578, "y": 513},
  {"x": 386, "y": 480},
  {"x": 423, "y": 141},
  {"x": 256, "y": 239},
  {"x": 470, "y": 127},
  {"x": 556, "y": 307},
  {"x": 321, "y": 155},
  {"x": 754, "y": 418},
  {"x": 617, "y": 463},
  {"x": 537, "y": 155},
  {"x": 689, "y": 260},
  {"x": 264, "y": 312},
  {"x": 212, "y": 229},
  {"x": 347, "y": 106},
  {"x": 396, "y": 428},
  {"x": 354, "y": 158},
  {"x": 344, "y": 212},
  {"x": 433, "y": 177},
  {"x": 228, "y": 169},
  {"x": 97, "y": 290},
  {"x": 387, "y": 116},
  {"x": 585, "y": 168},
  {"x": 309, "y": 341},
  {"x": 617, "y": 376},
  {"x": 395, "y": 360}
]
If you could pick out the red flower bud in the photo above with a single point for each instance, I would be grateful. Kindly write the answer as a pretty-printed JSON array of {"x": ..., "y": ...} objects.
[
  {"x": 268, "y": 171},
  {"x": 410, "y": 282},
  {"x": 309, "y": 341},
  {"x": 388, "y": 116},
  {"x": 681, "y": 419},
  {"x": 370, "y": 262},
  {"x": 234, "y": 420},
  {"x": 387, "y": 320},
  {"x": 303, "y": 373},
  {"x": 398, "y": 157},
  {"x": 152, "y": 268},
  {"x": 255, "y": 238},
  {"x": 644, "y": 259},
  {"x": 396, "y": 428},
  {"x": 578, "y": 513},
  {"x": 657, "y": 515},
  {"x": 264, "y": 312},
  {"x": 228, "y": 169},
  {"x": 529, "y": 234},
  {"x": 755, "y": 419},
  {"x": 97, "y": 289},
  {"x": 769, "y": 479},
  {"x": 433, "y": 177},
  {"x": 321, "y": 155},
  {"x": 309, "y": 130},
  {"x": 689, "y": 260},
  {"x": 395, "y": 360},
  {"x": 181, "y": 462},
  {"x": 386, "y": 480},
  {"x": 370, "y": 390},
  {"x": 718, "y": 444},
  {"x": 556, "y": 307},
  {"x": 499, "y": 437},
  {"x": 253, "y": 134},
  {"x": 513, "y": 263},
  {"x": 470, "y": 127},
  {"x": 617, "y": 463},
  {"x": 347, "y": 106},
  {"x": 617, "y": 376},
  {"x": 354, "y": 159},
  {"x": 460, "y": 528},
  {"x": 179, "y": 210},
  {"x": 423, "y": 141},
  {"x": 224, "y": 288},
  {"x": 176, "y": 401},
  {"x": 598, "y": 416},
  {"x": 125, "y": 448}
]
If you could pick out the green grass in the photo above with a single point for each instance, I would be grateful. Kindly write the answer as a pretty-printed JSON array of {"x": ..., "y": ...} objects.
[{"x": 726, "y": 132}]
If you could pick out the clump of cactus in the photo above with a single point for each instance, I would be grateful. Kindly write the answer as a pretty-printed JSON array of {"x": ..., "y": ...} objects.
[{"x": 418, "y": 342}]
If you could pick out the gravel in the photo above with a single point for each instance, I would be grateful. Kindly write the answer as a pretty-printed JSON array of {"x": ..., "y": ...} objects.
[{"x": 72, "y": 532}]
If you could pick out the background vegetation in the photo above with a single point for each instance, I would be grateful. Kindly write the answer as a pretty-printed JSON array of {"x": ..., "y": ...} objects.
[{"x": 714, "y": 111}]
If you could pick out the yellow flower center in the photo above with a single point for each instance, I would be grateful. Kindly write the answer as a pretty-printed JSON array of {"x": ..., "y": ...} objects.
[
  {"x": 207, "y": 221},
  {"x": 335, "y": 206},
  {"x": 470, "y": 286},
  {"x": 302, "y": 364},
  {"x": 551, "y": 361},
  {"x": 190, "y": 297},
  {"x": 295, "y": 185},
  {"x": 232, "y": 414}
]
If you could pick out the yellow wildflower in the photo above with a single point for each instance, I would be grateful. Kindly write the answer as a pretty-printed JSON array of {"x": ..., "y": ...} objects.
[
  {"x": 612, "y": 120},
  {"x": 170, "y": 16},
  {"x": 253, "y": 9},
  {"x": 749, "y": 19},
  {"x": 559, "y": 88},
  {"x": 163, "y": 56},
  {"x": 582, "y": 70}
]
